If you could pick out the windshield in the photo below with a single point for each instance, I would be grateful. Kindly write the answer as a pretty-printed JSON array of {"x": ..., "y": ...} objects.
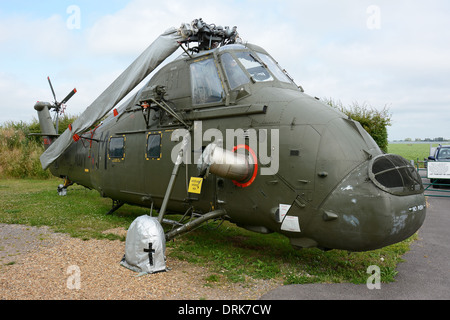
[
  {"x": 256, "y": 69},
  {"x": 444, "y": 154},
  {"x": 274, "y": 68},
  {"x": 235, "y": 75}
]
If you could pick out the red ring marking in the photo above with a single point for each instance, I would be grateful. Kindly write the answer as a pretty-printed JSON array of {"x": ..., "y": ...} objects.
[{"x": 255, "y": 169}]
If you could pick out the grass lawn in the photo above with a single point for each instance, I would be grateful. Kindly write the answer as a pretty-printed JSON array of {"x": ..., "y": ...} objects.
[{"x": 412, "y": 151}]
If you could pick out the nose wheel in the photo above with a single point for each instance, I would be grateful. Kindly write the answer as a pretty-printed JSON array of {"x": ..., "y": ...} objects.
[{"x": 62, "y": 188}]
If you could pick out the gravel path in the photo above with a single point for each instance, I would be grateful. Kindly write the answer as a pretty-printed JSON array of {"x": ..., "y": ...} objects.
[{"x": 37, "y": 264}]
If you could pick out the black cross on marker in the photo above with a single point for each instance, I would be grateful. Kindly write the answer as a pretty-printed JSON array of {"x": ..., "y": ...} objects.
[{"x": 150, "y": 251}]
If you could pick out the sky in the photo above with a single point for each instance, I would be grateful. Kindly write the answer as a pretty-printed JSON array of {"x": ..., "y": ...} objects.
[{"x": 383, "y": 54}]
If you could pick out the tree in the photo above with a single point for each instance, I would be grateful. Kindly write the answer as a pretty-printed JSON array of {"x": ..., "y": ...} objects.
[{"x": 375, "y": 122}]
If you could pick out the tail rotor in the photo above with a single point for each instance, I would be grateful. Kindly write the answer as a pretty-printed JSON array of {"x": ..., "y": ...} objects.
[{"x": 57, "y": 106}]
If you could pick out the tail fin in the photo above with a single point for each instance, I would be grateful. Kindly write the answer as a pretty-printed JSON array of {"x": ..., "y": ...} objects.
[{"x": 45, "y": 120}]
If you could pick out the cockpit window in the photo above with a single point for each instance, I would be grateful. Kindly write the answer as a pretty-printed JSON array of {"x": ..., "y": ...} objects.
[
  {"x": 255, "y": 68},
  {"x": 274, "y": 68},
  {"x": 205, "y": 82},
  {"x": 235, "y": 75}
]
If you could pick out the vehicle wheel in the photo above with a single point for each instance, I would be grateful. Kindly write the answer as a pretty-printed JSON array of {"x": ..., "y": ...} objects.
[{"x": 61, "y": 190}]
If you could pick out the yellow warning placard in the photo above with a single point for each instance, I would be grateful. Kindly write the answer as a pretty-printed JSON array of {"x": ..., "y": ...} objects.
[{"x": 195, "y": 185}]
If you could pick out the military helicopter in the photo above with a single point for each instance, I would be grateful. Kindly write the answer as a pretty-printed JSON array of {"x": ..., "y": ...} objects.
[{"x": 223, "y": 132}]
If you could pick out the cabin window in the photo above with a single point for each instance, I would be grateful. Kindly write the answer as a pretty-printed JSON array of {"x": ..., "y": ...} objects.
[
  {"x": 205, "y": 82},
  {"x": 153, "y": 146},
  {"x": 117, "y": 148},
  {"x": 235, "y": 75},
  {"x": 254, "y": 66}
]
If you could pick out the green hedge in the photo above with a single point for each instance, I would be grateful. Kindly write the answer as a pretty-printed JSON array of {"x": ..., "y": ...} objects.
[
  {"x": 20, "y": 152},
  {"x": 375, "y": 122}
]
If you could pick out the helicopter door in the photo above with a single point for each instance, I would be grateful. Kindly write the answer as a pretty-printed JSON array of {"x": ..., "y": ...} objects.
[
  {"x": 123, "y": 168},
  {"x": 158, "y": 167},
  {"x": 158, "y": 170},
  {"x": 115, "y": 173}
]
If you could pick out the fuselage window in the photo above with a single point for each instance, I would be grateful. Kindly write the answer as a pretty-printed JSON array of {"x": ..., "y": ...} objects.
[
  {"x": 235, "y": 75},
  {"x": 117, "y": 148},
  {"x": 255, "y": 68},
  {"x": 205, "y": 82},
  {"x": 153, "y": 146}
]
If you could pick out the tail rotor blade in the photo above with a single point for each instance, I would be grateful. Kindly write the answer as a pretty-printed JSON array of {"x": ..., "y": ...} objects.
[
  {"x": 53, "y": 91},
  {"x": 70, "y": 95}
]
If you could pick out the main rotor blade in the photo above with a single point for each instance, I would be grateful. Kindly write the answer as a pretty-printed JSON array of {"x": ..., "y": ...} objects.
[
  {"x": 70, "y": 95},
  {"x": 53, "y": 91}
]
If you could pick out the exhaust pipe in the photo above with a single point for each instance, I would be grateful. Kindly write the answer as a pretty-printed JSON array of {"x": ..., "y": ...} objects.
[{"x": 228, "y": 164}]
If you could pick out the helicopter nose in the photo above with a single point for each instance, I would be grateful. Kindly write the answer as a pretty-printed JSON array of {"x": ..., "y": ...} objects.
[{"x": 379, "y": 203}]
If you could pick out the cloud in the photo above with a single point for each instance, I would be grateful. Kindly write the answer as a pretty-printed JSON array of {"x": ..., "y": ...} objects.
[
  {"x": 132, "y": 29},
  {"x": 25, "y": 37},
  {"x": 17, "y": 98}
]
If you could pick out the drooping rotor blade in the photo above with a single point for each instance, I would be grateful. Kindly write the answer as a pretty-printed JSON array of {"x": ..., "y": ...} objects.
[
  {"x": 53, "y": 91},
  {"x": 70, "y": 95},
  {"x": 152, "y": 57}
]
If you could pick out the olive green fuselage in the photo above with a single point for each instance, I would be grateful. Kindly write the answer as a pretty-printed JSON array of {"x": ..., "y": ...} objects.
[{"x": 315, "y": 181}]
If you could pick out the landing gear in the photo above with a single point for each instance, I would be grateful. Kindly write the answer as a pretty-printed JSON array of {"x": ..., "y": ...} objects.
[
  {"x": 115, "y": 206},
  {"x": 62, "y": 191}
]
